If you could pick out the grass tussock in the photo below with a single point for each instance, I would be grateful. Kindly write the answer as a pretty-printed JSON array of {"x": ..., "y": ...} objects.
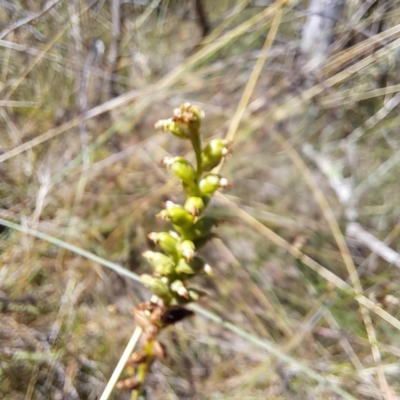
[{"x": 308, "y": 255}]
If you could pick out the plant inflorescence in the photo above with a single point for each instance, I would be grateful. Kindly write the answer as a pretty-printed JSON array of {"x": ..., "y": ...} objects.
[{"x": 178, "y": 263}]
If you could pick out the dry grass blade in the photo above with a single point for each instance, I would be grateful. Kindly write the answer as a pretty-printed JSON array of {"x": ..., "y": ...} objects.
[
  {"x": 94, "y": 112},
  {"x": 251, "y": 83},
  {"x": 164, "y": 83},
  {"x": 309, "y": 262},
  {"x": 277, "y": 315},
  {"x": 338, "y": 60},
  {"x": 289, "y": 109},
  {"x": 121, "y": 363},
  {"x": 34, "y": 62},
  {"x": 338, "y": 235},
  {"x": 49, "y": 5},
  {"x": 374, "y": 244},
  {"x": 349, "y": 97},
  {"x": 220, "y": 28}
]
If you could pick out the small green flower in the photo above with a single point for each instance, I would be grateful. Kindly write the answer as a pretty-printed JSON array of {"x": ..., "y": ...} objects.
[
  {"x": 213, "y": 153},
  {"x": 193, "y": 296},
  {"x": 186, "y": 249},
  {"x": 211, "y": 183},
  {"x": 185, "y": 123},
  {"x": 167, "y": 242},
  {"x": 157, "y": 286},
  {"x": 189, "y": 114},
  {"x": 177, "y": 215},
  {"x": 182, "y": 169},
  {"x": 194, "y": 205},
  {"x": 176, "y": 127},
  {"x": 190, "y": 267},
  {"x": 174, "y": 269},
  {"x": 162, "y": 264},
  {"x": 179, "y": 287}
]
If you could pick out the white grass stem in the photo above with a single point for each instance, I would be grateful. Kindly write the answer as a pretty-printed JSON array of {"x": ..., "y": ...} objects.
[{"x": 121, "y": 363}]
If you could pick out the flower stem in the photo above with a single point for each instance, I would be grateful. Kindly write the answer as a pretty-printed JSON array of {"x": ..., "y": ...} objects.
[
  {"x": 142, "y": 371},
  {"x": 196, "y": 143}
]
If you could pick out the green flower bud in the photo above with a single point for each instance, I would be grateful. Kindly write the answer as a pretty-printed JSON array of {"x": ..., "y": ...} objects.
[
  {"x": 182, "y": 169},
  {"x": 156, "y": 285},
  {"x": 194, "y": 205},
  {"x": 212, "y": 182},
  {"x": 185, "y": 123},
  {"x": 177, "y": 215},
  {"x": 179, "y": 287},
  {"x": 162, "y": 264},
  {"x": 176, "y": 127},
  {"x": 190, "y": 115},
  {"x": 190, "y": 267},
  {"x": 167, "y": 242},
  {"x": 213, "y": 153},
  {"x": 193, "y": 296},
  {"x": 186, "y": 249}
]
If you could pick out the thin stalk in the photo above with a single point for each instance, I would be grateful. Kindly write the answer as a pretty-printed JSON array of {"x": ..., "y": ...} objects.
[
  {"x": 153, "y": 90},
  {"x": 196, "y": 143},
  {"x": 121, "y": 363},
  {"x": 142, "y": 371},
  {"x": 75, "y": 249}
]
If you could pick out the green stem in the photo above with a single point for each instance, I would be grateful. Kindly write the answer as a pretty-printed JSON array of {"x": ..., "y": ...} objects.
[
  {"x": 135, "y": 394},
  {"x": 142, "y": 370},
  {"x": 196, "y": 143}
]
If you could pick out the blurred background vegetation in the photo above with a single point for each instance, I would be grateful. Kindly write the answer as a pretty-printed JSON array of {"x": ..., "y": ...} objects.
[{"x": 309, "y": 93}]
